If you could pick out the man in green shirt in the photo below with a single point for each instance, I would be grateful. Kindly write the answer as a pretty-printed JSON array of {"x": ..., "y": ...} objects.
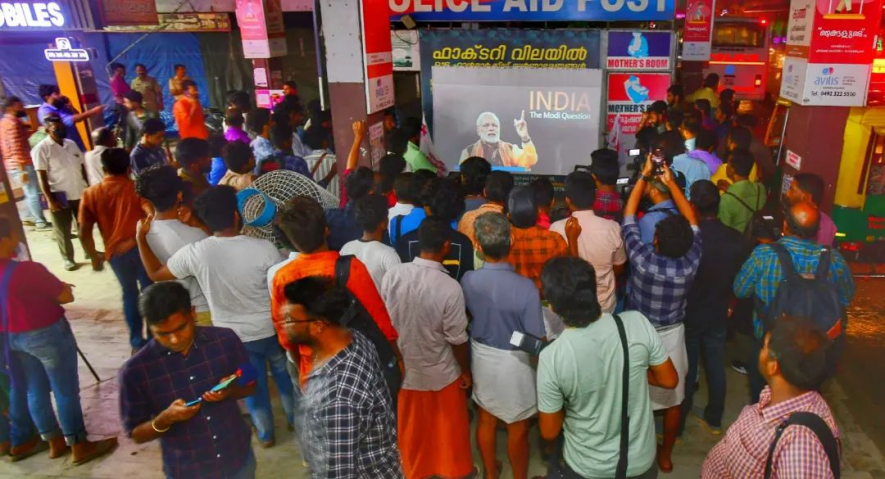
[
  {"x": 744, "y": 197},
  {"x": 150, "y": 90},
  {"x": 409, "y": 136},
  {"x": 580, "y": 377}
]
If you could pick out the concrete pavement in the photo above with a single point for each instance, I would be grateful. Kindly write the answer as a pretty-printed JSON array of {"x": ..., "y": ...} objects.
[{"x": 96, "y": 317}]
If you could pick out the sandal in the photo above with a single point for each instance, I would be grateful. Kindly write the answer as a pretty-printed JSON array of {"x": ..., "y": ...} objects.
[
  {"x": 39, "y": 447},
  {"x": 105, "y": 446}
]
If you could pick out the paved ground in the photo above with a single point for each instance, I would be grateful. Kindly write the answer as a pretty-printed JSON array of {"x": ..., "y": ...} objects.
[{"x": 97, "y": 321}]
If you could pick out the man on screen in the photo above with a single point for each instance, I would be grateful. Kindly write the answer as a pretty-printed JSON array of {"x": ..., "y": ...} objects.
[{"x": 501, "y": 153}]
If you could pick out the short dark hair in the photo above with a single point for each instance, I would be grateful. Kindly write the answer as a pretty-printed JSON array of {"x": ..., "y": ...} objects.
[
  {"x": 741, "y": 162},
  {"x": 177, "y": 66},
  {"x": 672, "y": 143},
  {"x": 371, "y": 212},
  {"x": 492, "y": 233},
  {"x": 799, "y": 230},
  {"x": 812, "y": 184},
  {"x": 133, "y": 96},
  {"x": 646, "y": 137},
  {"x": 191, "y": 150},
  {"x": 693, "y": 127},
  {"x": 216, "y": 207},
  {"x": 290, "y": 84},
  {"x": 390, "y": 166},
  {"x": 399, "y": 142},
  {"x": 675, "y": 119},
  {"x": 741, "y": 136},
  {"x": 258, "y": 118},
  {"x": 10, "y": 101},
  {"x": 411, "y": 127},
  {"x": 726, "y": 108},
  {"x": 802, "y": 351},
  {"x": 676, "y": 90},
  {"x": 217, "y": 142},
  {"x": 236, "y": 156},
  {"x": 705, "y": 196},
  {"x": 475, "y": 170},
  {"x": 45, "y": 90},
  {"x": 522, "y": 207},
  {"x": 185, "y": 84},
  {"x": 321, "y": 298},
  {"x": 115, "y": 161},
  {"x": 712, "y": 80},
  {"x": 659, "y": 107},
  {"x": 420, "y": 180},
  {"x": 315, "y": 136},
  {"x": 160, "y": 185},
  {"x": 140, "y": 65},
  {"x": 543, "y": 191},
  {"x": 52, "y": 118},
  {"x": 159, "y": 301},
  {"x": 234, "y": 118},
  {"x": 605, "y": 166},
  {"x": 152, "y": 126},
  {"x": 359, "y": 183},
  {"x": 675, "y": 236},
  {"x": 445, "y": 199},
  {"x": 703, "y": 105},
  {"x": 747, "y": 120},
  {"x": 498, "y": 186},
  {"x": 402, "y": 186},
  {"x": 102, "y": 135},
  {"x": 433, "y": 234},
  {"x": 116, "y": 65},
  {"x": 280, "y": 134},
  {"x": 240, "y": 100},
  {"x": 580, "y": 189},
  {"x": 569, "y": 284},
  {"x": 706, "y": 140},
  {"x": 303, "y": 221}
]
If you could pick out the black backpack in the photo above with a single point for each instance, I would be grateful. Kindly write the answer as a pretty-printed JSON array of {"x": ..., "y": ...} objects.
[
  {"x": 359, "y": 319},
  {"x": 820, "y": 428},
  {"x": 809, "y": 296}
]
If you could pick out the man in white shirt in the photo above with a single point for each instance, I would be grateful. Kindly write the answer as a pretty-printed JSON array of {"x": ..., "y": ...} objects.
[
  {"x": 232, "y": 271},
  {"x": 405, "y": 197},
  {"x": 103, "y": 138},
  {"x": 371, "y": 215},
  {"x": 163, "y": 188},
  {"x": 62, "y": 174}
]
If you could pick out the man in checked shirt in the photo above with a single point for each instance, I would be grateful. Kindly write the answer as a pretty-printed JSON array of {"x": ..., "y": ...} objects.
[
  {"x": 206, "y": 440},
  {"x": 794, "y": 362}
]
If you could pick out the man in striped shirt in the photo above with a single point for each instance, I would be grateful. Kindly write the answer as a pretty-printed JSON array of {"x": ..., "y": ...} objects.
[
  {"x": 794, "y": 362},
  {"x": 17, "y": 154}
]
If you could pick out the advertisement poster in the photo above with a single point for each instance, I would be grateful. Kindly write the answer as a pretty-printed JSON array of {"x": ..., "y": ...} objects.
[
  {"x": 629, "y": 95},
  {"x": 377, "y": 56},
  {"x": 639, "y": 51},
  {"x": 261, "y": 26},
  {"x": 699, "y": 16},
  {"x": 799, "y": 27},
  {"x": 268, "y": 98},
  {"x": 504, "y": 48},
  {"x": 533, "y": 10},
  {"x": 406, "y": 52},
  {"x": 376, "y": 142},
  {"x": 183, "y": 22},
  {"x": 543, "y": 121}
]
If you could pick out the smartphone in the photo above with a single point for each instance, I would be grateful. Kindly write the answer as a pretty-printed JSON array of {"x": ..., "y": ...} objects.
[
  {"x": 528, "y": 343},
  {"x": 218, "y": 387},
  {"x": 623, "y": 181},
  {"x": 635, "y": 152},
  {"x": 657, "y": 158}
]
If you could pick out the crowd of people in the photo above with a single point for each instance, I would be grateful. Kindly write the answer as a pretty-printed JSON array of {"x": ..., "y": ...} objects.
[{"x": 427, "y": 300}]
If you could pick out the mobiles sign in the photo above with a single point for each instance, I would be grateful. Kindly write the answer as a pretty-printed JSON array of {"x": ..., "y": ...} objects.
[
  {"x": 31, "y": 15},
  {"x": 533, "y": 10}
]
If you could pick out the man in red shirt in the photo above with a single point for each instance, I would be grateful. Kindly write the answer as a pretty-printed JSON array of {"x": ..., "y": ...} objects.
[
  {"x": 43, "y": 355},
  {"x": 17, "y": 154},
  {"x": 188, "y": 113},
  {"x": 304, "y": 225},
  {"x": 116, "y": 208}
]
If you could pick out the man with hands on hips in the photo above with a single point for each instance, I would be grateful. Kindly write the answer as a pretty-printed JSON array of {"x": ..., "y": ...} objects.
[{"x": 209, "y": 438}]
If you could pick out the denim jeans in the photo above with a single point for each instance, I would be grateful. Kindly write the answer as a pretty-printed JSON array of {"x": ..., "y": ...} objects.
[
  {"x": 261, "y": 353},
  {"x": 130, "y": 273},
  {"x": 16, "y": 425},
  {"x": 48, "y": 358},
  {"x": 31, "y": 188},
  {"x": 710, "y": 344}
]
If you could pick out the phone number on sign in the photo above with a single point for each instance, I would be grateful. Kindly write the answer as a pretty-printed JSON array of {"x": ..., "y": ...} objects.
[{"x": 836, "y": 93}]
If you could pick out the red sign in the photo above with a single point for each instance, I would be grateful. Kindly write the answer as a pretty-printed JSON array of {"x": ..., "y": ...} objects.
[
  {"x": 844, "y": 31},
  {"x": 698, "y": 30},
  {"x": 261, "y": 27},
  {"x": 629, "y": 95},
  {"x": 129, "y": 12},
  {"x": 377, "y": 54}
]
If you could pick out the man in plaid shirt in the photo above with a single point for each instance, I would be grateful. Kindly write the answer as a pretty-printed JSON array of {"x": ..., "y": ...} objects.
[
  {"x": 349, "y": 426},
  {"x": 17, "y": 154},
  {"x": 605, "y": 170},
  {"x": 661, "y": 276},
  {"x": 793, "y": 362}
]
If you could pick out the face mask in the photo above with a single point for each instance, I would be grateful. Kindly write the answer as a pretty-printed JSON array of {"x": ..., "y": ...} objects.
[
  {"x": 21, "y": 114},
  {"x": 58, "y": 104},
  {"x": 61, "y": 133}
]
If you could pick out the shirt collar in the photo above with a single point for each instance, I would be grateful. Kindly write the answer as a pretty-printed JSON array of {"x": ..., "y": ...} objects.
[
  {"x": 668, "y": 204},
  {"x": 334, "y": 361},
  {"x": 498, "y": 266},
  {"x": 115, "y": 179},
  {"x": 426, "y": 263},
  {"x": 584, "y": 214},
  {"x": 808, "y": 243},
  {"x": 779, "y": 411}
]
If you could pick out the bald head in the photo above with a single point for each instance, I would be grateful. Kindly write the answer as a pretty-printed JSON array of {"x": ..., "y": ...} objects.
[{"x": 803, "y": 220}]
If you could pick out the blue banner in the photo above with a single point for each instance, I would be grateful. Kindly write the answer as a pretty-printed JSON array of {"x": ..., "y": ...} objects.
[
  {"x": 504, "y": 48},
  {"x": 533, "y": 10},
  {"x": 639, "y": 50}
]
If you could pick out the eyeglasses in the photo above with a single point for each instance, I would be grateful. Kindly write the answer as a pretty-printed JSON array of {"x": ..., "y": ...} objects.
[{"x": 288, "y": 320}]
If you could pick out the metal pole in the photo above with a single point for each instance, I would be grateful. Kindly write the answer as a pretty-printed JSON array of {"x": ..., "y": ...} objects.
[{"x": 88, "y": 365}]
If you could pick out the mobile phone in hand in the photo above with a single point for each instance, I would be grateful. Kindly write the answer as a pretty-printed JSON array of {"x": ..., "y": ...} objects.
[{"x": 528, "y": 343}]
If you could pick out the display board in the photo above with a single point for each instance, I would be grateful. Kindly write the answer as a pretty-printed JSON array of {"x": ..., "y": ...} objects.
[
  {"x": 629, "y": 95},
  {"x": 537, "y": 120},
  {"x": 533, "y": 10}
]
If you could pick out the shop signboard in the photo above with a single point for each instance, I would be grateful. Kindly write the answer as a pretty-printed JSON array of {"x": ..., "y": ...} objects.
[
  {"x": 57, "y": 15},
  {"x": 128, "y": 12},
  {"x": 406, "y": 52},
  {"x": 639, "y": 50},
  {"x": 504, "y": 48},
  {"x": 182, "y": 23},
  {"x": 830, "y": 50},
  {"x": 377, "y": 55},
  {"x": 698, "y": 31},
  {"x": 64, "y": 52},
  {"x": 533, "y": 10},
  {"x": 261, "y": 27},
  {"x": 629, "y": 95}
]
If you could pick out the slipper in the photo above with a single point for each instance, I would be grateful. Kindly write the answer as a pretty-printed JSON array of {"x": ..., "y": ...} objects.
[
  {"x": 105, "y": 446},
  {"x": 38, "y": 448}
]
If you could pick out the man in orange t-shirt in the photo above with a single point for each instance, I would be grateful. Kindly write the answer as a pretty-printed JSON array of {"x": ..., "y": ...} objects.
[
  {"x": 116, "y": 208},
  {"x": 188, "y": 113},
  {"x": 304, "y": 224}
]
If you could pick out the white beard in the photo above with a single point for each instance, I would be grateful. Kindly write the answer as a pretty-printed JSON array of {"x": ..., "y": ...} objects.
[{"x": 491, "y": 139}]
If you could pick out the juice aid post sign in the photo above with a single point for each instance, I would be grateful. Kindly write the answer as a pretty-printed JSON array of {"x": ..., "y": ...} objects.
[
  {"x": 629, "y": 95},
  {"x": 699, "y": 16},
  {"x": 533, "y": 10},
  {"x": 830, "y": 49}
]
